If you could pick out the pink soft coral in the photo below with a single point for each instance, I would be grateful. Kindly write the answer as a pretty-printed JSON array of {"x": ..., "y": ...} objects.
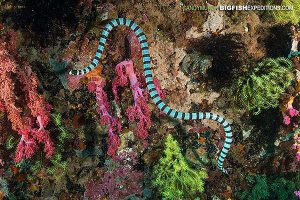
[
  {"x": 293, "y": 112},
  {"x": 296, "y": 145},
  {"x": 290, "y": 116},
  {"x": 161, "y": 93},
  {"x": 297, "y": 193},
  {"x": 139, "y": 110},
  {"x": 286, "y": 120},
  {"x": 298, "y": 156},
  {"x": 96, "y": 85},
  {"x": 74, "y": 82}
]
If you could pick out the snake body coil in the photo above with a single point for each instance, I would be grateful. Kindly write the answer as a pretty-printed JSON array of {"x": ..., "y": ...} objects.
[{"x": 150, "y": 85}]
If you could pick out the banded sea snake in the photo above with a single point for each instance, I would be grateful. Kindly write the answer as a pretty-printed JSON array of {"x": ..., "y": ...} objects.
[{"x": 150, "y": 85}]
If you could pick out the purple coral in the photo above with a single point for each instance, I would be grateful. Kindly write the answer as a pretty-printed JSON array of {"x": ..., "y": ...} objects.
[
  {"x": 96, "y": 85},
  {"x": 117, "y": 183}
]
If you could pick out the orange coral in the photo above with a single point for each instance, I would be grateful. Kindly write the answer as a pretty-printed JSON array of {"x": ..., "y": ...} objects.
[{"x": 95, "y": 72}]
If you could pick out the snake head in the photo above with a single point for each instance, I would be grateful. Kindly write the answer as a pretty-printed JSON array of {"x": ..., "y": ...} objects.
[{"x": 73, "y": 72}]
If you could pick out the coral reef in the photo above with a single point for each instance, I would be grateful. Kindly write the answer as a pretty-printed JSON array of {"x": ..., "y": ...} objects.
[
  {"x": 139, "y": 111},
  {"x": 109, "y": 140}
]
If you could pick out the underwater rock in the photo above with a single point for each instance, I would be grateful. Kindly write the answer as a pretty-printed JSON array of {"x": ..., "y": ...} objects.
[
  {"x": 215, "y": 21},
  {"x": 60, "y": 69},
  {"x": 91, "y": 151},
  {"x": 180, "y": 90},
  {"x": 150, "y": 157},
  {"x": 193, "y": 33}
]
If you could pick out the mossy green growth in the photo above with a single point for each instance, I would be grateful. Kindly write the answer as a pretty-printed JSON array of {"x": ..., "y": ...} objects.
[
  {"x": 58, "y": 163},
  {"x": 259, "y": 190},
  {"x": 286, "y": 16},
  {"x": 10, "y": 142},
  {"x": 57, "y": 159},
  {"x": 63, "y": 133},
  {"x": 173, "y": 176},
  {"x": 282, "y": 189},
  {"x": 264, "y": 85},
  {"x": 263, "y": 188}
]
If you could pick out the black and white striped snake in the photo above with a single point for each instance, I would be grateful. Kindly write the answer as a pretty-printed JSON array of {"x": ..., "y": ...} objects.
[{"x": 150, "y": 85}]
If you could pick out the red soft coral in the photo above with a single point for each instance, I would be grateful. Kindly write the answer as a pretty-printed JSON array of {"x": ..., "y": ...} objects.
[
  {"x": 26, "y": 147},
  {"x": 33, "y": 113}
]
